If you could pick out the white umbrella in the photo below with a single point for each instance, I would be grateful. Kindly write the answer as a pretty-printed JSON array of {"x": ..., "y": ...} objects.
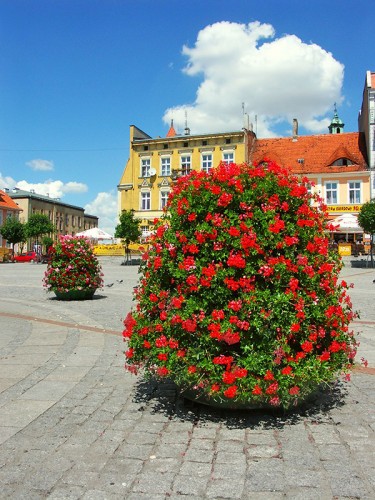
[
  {"x": 348, "y": 223},
  {"x": 95, "y": 234}
]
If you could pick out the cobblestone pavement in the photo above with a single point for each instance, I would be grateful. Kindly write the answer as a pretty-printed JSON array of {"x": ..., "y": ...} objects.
[{"x": 75, "y": 425}]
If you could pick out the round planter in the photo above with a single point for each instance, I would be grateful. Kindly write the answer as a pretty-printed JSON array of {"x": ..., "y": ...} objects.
[
  {"x": 226, "y": 404},
  {"x": 85, "y": 294},
  {"x": 229, "y": 404}
]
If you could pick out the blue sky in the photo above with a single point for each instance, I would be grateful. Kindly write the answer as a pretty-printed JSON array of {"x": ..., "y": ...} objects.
[{"x": 74, "y": 74}]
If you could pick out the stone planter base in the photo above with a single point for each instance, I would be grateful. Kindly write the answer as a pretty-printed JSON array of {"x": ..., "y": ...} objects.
[
  {"x": 229, "y": 404},
  {"x": 225, "y": 404},
  {"x": 86, "y": 294}
]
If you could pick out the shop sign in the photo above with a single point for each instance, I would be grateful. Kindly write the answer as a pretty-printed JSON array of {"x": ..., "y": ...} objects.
[{"x": 344, "y": 208}]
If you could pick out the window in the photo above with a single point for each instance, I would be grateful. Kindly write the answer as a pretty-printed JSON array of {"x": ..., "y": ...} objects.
[
  {"x": 163, "y": 199},
  {"x": 228, "y": 157},
  {"x": 228, "y": 141},
  {"x": 342, "y": 162},
  {"x": 165, "y": 165},
  {"x": 79, "y": 221},
  {"x": 355, "y": 192},
  {"x": 66, "y": 219},
  {"x": 145, "y": 167},
  {"x": 206, "y": 162},
  {"x": 331, "y": 193},
  {"x": 73, "y": 220},
  {"x": 146, "y": 201},
  {"x": 185, "y": 165}
]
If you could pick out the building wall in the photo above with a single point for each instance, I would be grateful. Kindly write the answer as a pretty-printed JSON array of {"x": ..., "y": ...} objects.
[
  {"x": 68, "y": 219},
  {"x": 366, "y": 124}
]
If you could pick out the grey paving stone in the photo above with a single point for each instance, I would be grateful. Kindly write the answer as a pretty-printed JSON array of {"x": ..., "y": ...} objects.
[
  {"x": 154, "y": 482},
  {"x": 185, "y": 486},
  {"x": 226, "y": 488}
]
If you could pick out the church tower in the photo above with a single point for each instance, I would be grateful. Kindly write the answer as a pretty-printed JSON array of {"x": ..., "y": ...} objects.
[{"x": 336, "y": 126}]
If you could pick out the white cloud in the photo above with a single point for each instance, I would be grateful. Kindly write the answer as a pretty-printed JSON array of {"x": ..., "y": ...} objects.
[
  {"x": 7, "y": 182},
  {"x": 277, "y": 79},
  {"x": 39, "y": 164},
  {"x": 105, "y": 207},
  {"x": 51, "y": 188}
]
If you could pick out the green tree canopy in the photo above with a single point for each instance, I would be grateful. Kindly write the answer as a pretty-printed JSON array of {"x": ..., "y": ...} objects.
[
  {"x": 366, "y": 219},
  {"x": 128, "y": 229},
  {"x": 13, "y": 231},
  {"x": 38, "y": 225}
]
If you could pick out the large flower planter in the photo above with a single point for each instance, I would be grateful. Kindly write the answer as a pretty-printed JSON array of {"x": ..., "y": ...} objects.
[
  {"x": 85, "y": 294},
  {"x": 240, "y": 302}
]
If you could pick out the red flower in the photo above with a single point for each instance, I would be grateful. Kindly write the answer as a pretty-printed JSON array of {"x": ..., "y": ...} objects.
[
  {"x": 257, "y": 390},
  {"x": 222, "y": 360},
  {"x": 224, "y": 200},
  {"x": 269, "y": 375},
  {"x": 162, "y": 371},
  {"x": 295, "y": 327},
  {"x": 215, "y": 387},
  {"x": 229, "y": 377},
  {"x": 325, "y": 356},
  {"x": 236, "y": 260},
  {"x": 190, "y": 325},
  {"x": 163, "y": 356},
  {"x": 287, "y": 370},
  {"x": 192, "y": 369},
  {"x": 272, "y": 388},
  {"x": 129, "y": 353},
  {"x": 161, "y": 341},
  {"x": 231, "y": 337},
  {"x": 294, "y": 390},
  {"x": 307, "y": 346},
  {"x": 233, "y": 231},
  {"x": 231, "y": 392},
  {"x": 218, "y": 314}
]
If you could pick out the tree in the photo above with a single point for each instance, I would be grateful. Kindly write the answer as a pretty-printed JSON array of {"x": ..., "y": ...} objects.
[
  {"x": 128, "y": 230},
  {"x": 47, "y": 241},
  {"x": 366, "y": 219},
  {"x": 13, "y": 231},
  {"x": 38, "y": 225}
]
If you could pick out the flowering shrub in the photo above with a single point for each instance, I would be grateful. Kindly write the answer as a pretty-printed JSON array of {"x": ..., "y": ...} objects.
[
  {"x": 239, "y": 296},
  {"x": 72, "y": 266}
]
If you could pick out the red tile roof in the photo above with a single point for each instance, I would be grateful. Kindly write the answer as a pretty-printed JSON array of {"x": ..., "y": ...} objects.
[
  {"x": 312, "y": 153},
  {"x": 7, "y": 203}
]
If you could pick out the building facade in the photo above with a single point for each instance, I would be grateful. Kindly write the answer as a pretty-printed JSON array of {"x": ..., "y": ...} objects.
[
  {"x": 340, "y": 165},
  {"x": 366, "y": 124},
  {"x": 8, "y": 209},
  {"x": 155, "y": 164},
  {"x": 335, "y": 163},
  {"x": 68, "y": 219}
]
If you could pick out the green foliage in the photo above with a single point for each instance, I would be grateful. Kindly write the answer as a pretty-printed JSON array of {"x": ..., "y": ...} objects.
[
  {"x": 128, "y": 227},
  {"x": 239, "y": 296},
  {"x": 366, "y": 217},
  {"x": 38, "y": 225},
  {"x": 13, "y": 231},
  {"x": 47, "y": 241}
]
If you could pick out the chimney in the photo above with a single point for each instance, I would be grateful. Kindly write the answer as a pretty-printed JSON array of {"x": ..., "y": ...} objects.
[{"x": 295, "y": 129}]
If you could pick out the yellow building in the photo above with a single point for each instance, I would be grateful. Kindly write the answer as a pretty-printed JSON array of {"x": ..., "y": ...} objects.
[
  {"x": 155, "y": 164},
  {"x": 68, "y": 219},
  {"x": 336, "y": 163}
]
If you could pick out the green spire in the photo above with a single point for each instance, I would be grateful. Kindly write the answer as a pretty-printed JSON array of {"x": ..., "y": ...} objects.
[{"x": 336, "y": 126}]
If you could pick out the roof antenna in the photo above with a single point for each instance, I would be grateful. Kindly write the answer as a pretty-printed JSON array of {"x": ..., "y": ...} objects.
[{"x": 187, "y": 130}]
